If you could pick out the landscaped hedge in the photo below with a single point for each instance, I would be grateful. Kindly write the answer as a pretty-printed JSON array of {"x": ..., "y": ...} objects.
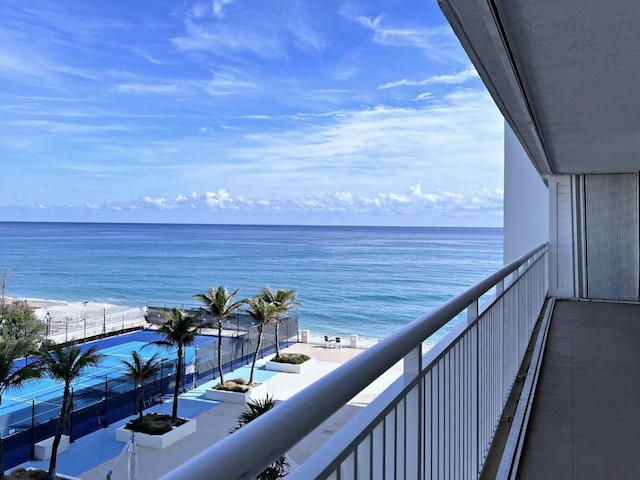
[
  {"x": 292, "y": 358},
  {"x": 153, "y": 424}
]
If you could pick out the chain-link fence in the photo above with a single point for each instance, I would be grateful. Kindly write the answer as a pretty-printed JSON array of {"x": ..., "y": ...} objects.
[{"x": 70, "y": 324}]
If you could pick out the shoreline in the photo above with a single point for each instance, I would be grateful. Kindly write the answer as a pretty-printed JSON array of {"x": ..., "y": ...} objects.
[
  {"x": 36, "y": 302},
  {"x": 66, "y": 310},
  {"x": 71, "y": 310}
]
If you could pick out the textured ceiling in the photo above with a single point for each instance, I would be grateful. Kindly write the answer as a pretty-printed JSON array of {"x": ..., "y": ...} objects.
[{"x": 566, "y": 75}]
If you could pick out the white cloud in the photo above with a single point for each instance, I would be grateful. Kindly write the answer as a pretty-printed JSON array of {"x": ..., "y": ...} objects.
[
  {"x": 370, "y": 147},
  {"x": 451, "y": 79},
  {"x": 161, "y": 203},
  {"x": 31, "y": 68},
  {"x": 227, "y": 82},
  {"x": 224, "y": 40},
  {"x": 412, "y": 202},
  {"x": 344, "y": 197},
  {"x": 424, "y": 96},
  {"x": 437, "y": 42},
  {"x": 459, "y": 77},
  {"x": 151, "y": 88},
  {"x": 218, "y": 5}
]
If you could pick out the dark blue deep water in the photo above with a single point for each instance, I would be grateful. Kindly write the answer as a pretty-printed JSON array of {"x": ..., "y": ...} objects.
[{"x": 363, "y": 280}]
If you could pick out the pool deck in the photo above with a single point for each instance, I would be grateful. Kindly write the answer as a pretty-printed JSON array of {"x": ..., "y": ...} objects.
[{"x": 93, "y": 456}]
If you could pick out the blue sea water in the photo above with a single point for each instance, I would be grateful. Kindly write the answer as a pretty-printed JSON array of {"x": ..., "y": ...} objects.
[{"x": 363, "y": 280}]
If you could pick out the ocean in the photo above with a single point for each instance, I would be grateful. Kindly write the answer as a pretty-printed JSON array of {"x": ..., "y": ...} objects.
[{"x": 351, "y": 280}]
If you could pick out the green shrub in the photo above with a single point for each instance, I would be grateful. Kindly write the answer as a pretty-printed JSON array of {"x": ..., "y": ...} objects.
[
  {"x": 153, "y": 424},
  {"x": 234, "y": 385},
  {"x": 293, "y": 358},
  {"x": 23, "y": 474}
]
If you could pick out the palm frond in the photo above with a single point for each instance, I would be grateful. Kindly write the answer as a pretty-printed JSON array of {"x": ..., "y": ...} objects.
[
  {"x": 10, "y": 374},
  {"x": 261, "y": 310},
  {"x": 219, "y": 303},
  {"x": 66, "y": 363},
  {"x": 254, "y": 409}
]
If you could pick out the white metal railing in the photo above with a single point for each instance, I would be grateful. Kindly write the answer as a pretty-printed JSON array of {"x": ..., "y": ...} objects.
[{"x": 437, "y": 420}]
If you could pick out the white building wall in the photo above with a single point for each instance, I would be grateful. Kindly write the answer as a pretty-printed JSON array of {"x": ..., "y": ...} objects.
[
  {"x": 526, "y": 201},
  {"x": 562, "y": 255},
  {"x": 594, "y": 236}
]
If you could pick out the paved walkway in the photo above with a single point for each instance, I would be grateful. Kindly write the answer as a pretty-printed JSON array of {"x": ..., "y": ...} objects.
[{"x": 92, "y": 456}]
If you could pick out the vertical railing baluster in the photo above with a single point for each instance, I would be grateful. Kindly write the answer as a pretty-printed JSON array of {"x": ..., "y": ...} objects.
[
  {"x": 413, "y": 418},
  {"x": 441, "y": 420},
  {"x": 390, "y": 445},
  {"x": 377, "y": 452},
  {"x": 427, "y": 426},
  {"x": 473, "y": 333},
  {"x": 364, "y": 450}
]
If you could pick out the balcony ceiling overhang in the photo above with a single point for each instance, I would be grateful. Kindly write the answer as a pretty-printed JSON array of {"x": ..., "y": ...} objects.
[{"x": 565, "y": 75}]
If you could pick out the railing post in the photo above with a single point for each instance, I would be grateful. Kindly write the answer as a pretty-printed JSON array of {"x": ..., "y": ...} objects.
[
  {"x": 472, "y": 310},
  {"x": 413, "y": 417},
  {"x": 412, "y": 361}
]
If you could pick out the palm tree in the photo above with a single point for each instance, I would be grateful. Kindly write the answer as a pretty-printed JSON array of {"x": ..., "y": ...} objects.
[
  {"x": 64, "y": 364},
  {"x": 256, "y": 407},
  {"x": 263, "y": 313},
  {"x": 179, "y": 330},
  {"x": 140, "y": 371},
  {"x": 285, "y": 301},
  {"x": 221, "y": 306},
  {"x": 11, "y": 376}
]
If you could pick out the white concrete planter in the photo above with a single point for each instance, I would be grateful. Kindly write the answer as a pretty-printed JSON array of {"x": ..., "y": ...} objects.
[
  {"x": 43, "y": 449},
  {"x": 290, "y": 367},
  {"x": 159, "y": 442},
  {"x": 259, "y": 391}
]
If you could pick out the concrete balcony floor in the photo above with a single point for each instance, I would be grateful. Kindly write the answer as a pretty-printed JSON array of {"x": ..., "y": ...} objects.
[{"x": 585, "y": 419}]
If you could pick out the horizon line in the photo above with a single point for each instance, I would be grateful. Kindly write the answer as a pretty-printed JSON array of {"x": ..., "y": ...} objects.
[{"x": 249, "y": 224}]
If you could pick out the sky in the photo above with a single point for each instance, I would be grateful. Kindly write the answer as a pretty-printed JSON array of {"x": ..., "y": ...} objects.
[{"x": 324, "y": 112}]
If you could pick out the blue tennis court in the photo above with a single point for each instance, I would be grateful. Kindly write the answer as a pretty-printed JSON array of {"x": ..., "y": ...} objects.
[
  {"x": 104, "y": 395},
  {"x": 42, "y": 398}
]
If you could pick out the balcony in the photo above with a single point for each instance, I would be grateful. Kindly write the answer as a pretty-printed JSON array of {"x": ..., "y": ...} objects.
[
  {"x": 585, "y": 418},
  {"x": 437, "y": 420}
]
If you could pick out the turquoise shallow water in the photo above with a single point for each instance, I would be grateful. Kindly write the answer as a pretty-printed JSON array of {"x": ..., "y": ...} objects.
[{"x": 363, "y": 280}]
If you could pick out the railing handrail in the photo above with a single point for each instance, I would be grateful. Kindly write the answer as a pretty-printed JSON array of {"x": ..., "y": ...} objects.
[{"x": 335, "y": 390}]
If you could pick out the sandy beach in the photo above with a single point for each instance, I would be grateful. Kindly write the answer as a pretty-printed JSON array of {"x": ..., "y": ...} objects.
[{"x": 65, "y": 309}]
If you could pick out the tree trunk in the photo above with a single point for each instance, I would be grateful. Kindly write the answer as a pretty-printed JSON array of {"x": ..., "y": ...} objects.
[
  {"x": 176, "y": 390},
  {"x": 220, "y": 352},
  {"x": 255, "y": 355},
  {"x": 141, "y": 399},
  {"x": 277, "y": 324},
  {"x": 62, "y": 421}
]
